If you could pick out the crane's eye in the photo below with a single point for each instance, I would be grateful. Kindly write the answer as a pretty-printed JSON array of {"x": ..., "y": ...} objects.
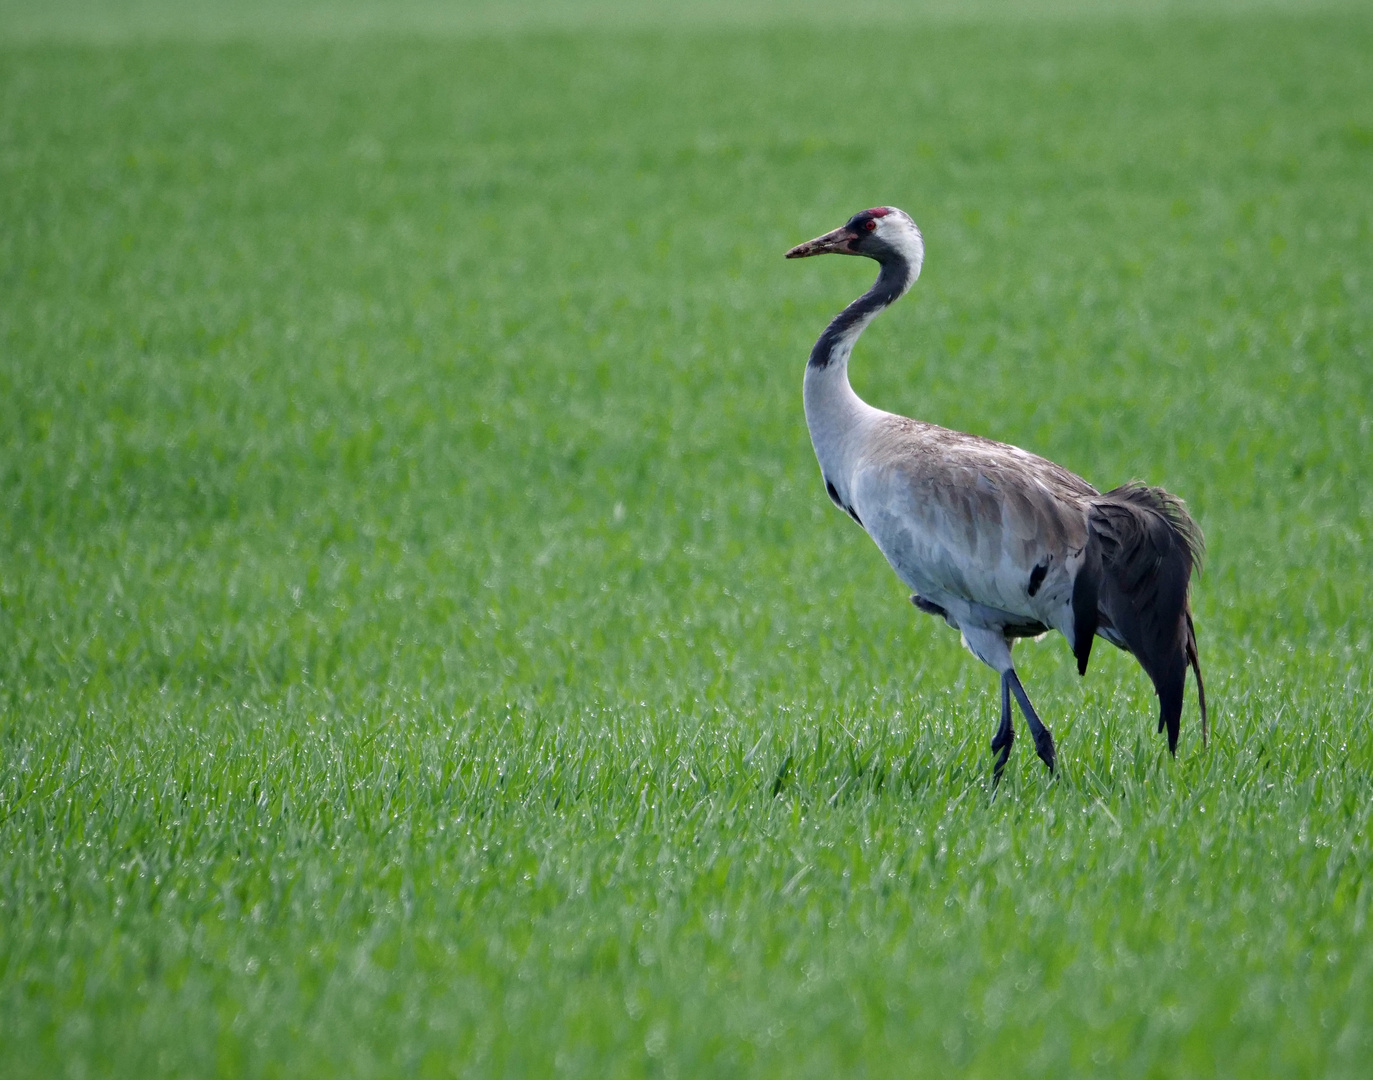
[{"x": 870, "y": 224}]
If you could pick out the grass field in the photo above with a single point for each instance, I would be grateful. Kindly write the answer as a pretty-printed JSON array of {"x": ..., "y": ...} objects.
[{"x": 426, "y": 648}]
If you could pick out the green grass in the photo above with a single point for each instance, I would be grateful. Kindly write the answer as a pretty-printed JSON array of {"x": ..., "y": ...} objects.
[{"x": 426, "y": 648}]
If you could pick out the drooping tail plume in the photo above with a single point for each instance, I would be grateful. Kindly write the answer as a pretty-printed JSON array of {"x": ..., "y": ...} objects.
[
  {"x": 1195, "y": 661},
  {"x": 1148, "y": 546}
]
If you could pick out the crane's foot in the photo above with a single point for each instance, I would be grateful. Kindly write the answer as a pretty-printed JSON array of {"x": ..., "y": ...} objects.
[
  {"x": 1044, "y": 747},
  {"x": 1002, "y": 742}
]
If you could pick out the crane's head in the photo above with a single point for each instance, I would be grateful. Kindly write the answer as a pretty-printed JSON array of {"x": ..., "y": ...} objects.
[{"x": 883, "y": 233}]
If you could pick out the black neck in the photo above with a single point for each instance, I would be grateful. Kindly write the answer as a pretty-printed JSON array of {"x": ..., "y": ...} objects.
[{"x": 892, "y": 281}]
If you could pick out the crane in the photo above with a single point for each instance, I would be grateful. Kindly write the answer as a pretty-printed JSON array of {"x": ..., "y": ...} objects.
[{"x": 998, "y": 542}]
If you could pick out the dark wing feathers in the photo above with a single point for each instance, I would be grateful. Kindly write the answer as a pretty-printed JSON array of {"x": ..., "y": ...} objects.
[{"x": 1146, "y": 546}]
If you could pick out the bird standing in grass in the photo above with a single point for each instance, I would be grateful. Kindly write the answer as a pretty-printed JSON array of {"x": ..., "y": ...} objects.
[{"x": 998, "y": 542}]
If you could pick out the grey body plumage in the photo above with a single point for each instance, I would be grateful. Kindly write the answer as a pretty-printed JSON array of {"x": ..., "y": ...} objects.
[{"x": 998, "y": 542}]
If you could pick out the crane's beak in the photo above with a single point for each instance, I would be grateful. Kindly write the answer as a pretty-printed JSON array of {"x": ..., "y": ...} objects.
[{"x": 832, "y": 243}]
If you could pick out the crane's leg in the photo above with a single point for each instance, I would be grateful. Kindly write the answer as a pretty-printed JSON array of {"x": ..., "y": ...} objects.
[
  {"x": 990, "y": 645},
  {"x": 1044, "y": 742},
  {"x": 1005, "y": 734}
]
